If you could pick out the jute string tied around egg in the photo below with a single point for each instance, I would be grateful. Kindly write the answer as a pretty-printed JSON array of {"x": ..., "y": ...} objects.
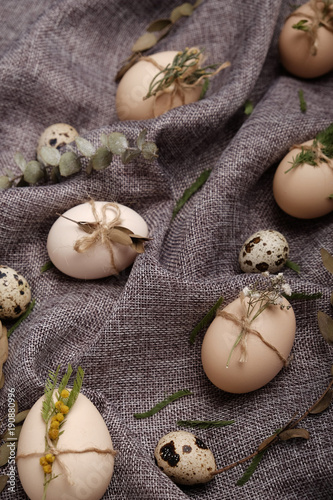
[
  {"x": 244, "y": 322},
  {"x": 57, "y": 453},
  {"x": 318, "y": 19},
  {"x": 106, "y": 232},
  {"x": 317, "y": 149},
  {"x": 179, "y": 85}
]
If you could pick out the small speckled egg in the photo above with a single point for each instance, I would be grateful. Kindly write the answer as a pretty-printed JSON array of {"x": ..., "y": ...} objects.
[
  {"x": 185, "y": 458},
  {"x": 57, "y": 135},
  {"x": 265, "y": 250},
  {"x": 15, "y": 293}
]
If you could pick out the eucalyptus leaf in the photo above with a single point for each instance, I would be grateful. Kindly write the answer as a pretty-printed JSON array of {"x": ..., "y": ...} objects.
[
  {"x": 327, "y": 259},
  {"x": 186, "y": 9},
  {"x": 4, "y": 454},
  {"x": 158, "y": 25},
  {"x": 5, "y": 183},
  {"x": 176, "y": 14},
  {"x": 3, "y": 481},
  {"x": 69, "y": 164},
  {"x": 20, "y": 161},
  {"x": 144, "y": 42},
  {"x": 119, "y": 236},
  {"x": 323, "y": 404},
  {"x": 104, "y": 140},
  {"x": 21, "y": 416},
  {"x": 34, "y": 171},
  {"x": 50, "y": 156},
  {"x": 129, "y": 155},
  {"x": 149, "y": 150},
  {"x": 141, "y": 138},
  {"x": 101, "y": 159},
  {"x": 325, "y": 323},
  {"x": 117, "y": 143},
  {"x": 55, "y": 174},
  {"x": 84, "y": 146},
  {"x": 89, "y": 167},
  {"x": 294, "y": 433},
  {"x": 13, "y": 434}
]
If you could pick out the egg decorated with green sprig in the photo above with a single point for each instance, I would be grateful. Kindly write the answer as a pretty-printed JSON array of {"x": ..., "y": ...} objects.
[
  {"x": 64, "y": 449},
  {"x": 303, "y": 181}
]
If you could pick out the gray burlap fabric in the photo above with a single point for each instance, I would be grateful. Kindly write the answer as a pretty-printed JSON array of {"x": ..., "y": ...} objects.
[{"x": 131, "y": 333}]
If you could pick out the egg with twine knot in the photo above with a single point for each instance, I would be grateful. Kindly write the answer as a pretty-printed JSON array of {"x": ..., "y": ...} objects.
[
  {"x": 79, "y": 465},
  {"x": 163, "y": 81},
  {"x": 249, "y": 341},
  {"x": 96, "y": 239},
  {"x": 306, "y": 40}
]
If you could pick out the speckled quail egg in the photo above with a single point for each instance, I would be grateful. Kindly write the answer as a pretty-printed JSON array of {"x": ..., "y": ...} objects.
[
  {"x": 265, "y": 250},
  {"x": 57, "y": 135},
  {"x": 15, "y": 293},
  {"x": 185, "y": 458}
]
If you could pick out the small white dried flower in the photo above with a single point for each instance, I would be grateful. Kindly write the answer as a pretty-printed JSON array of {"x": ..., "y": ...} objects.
[{"x": 286, "y": 289}]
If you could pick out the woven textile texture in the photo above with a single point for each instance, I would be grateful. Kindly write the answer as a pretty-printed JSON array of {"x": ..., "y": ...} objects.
[{"x": 130, "y": 333}]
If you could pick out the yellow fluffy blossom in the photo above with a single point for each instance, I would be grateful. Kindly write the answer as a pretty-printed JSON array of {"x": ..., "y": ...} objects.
[
  {"x": 54, "y": 424},
  {"x": 64, "y": 409},
  {"x": 64, "y": 394},
  {"x": 60, "y": 417},
  {"x": 47, "y": 469},
  {"x": 58, "y": 404},
  {"x": 43, "y": 461},
  {"x": 49, "y": 458},
  {"x": 53, "y": 434}
]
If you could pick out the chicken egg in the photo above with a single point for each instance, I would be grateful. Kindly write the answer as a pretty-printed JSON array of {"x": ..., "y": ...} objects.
[
  {"x": 262, "y": 363},
  {"x": 185, "y": 458},
  {"x": 304, "y": 191},
  {"x": 266, "y": 250},
  {"x": 134, "y": 85},
  {"x": 79, "y": 475},
  {"x": 297, "y": 52},
  {"x": 102, "y": 258}
]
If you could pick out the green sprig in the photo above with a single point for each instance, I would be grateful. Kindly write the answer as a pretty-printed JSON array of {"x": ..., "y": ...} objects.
[
  {"x": 197, "y": 184},
  {"x": 22, "y": 317},
  {"x": 251, "y": 468},
  {"x": 302, "y": 102},
  {"x": 205, "y": 320},
  {"x": 164, "y": 403}
]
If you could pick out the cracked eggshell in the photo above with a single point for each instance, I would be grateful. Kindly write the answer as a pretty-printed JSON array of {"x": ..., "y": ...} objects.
[
  {"x": 57, "y": 135},
  {"x": 185, "y": 458},
  {"x": 265, "y": 250},
  {"x": 135, "y": 83},
  {"x": 95, "y": 262},
  {"x": 15, "y": 293},
  {"x": 88, "y": 473}
]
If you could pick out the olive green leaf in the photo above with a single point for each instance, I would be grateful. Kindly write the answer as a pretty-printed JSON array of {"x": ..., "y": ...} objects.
[
  {"x": 325, "y": 323},
  {"x": 302, "y": 25},
  {"x": 104, "y": 140},
  {"x": 323, "y": 404},
  {"x": 294, "y": 433},
  {"x": 248, "y": 107},
  {"x": 141, "y": 139},
  {"x": 3, "y": 481},
  {"x": 190, "y": 191},
  {"x": 117, "y": 143},
  {"x": 129, "y": 155},
  {"x": 101, "y": 159},
  {"x": 251, "y": 468},
  {"x": 144, "y": 42},
  {"x": 49, "y": 156},
  {"x": 69, "y": 164},
  {"x": 149, "y": 150},
  {"x": 327, "y": 259},
  {"x": 5, "y": 183},
  {"x": 20, "y": 161},
  {"x": 302, "y": 101},
  {"x": 119, "y": 235},
  {"x": 55, "y": 175},
  {"x": 4, "y": 454},
  {"x": 158, "y": 25},
  {"x": 34, "y": 171},
  {"x": 292, "y": 265},
  {"x": 84, "y": 146},
  {"x": 21, "y": 416}
]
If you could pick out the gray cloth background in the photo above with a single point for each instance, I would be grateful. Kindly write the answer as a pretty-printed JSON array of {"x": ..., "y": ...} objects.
[{"x": 131, "y": 332}]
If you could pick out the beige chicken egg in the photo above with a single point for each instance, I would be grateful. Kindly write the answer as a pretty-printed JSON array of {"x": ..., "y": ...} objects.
[
  {"x": 304, "y": 191},
  {"x": 298, "y": 54},
  {"x": 277, "y": 326},
  {"x": 134, "y": 85},
  {"x": 185, "y": 458},
  {"x": 103, "y": 258},
  {"x": 79, "y": 475}
]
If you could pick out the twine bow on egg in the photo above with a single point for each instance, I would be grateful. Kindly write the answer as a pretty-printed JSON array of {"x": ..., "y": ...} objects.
[
  {"x": 317, "y": 19},
  {"x": 244, "y": 322},
  {"x": 106, "y": 233}
]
